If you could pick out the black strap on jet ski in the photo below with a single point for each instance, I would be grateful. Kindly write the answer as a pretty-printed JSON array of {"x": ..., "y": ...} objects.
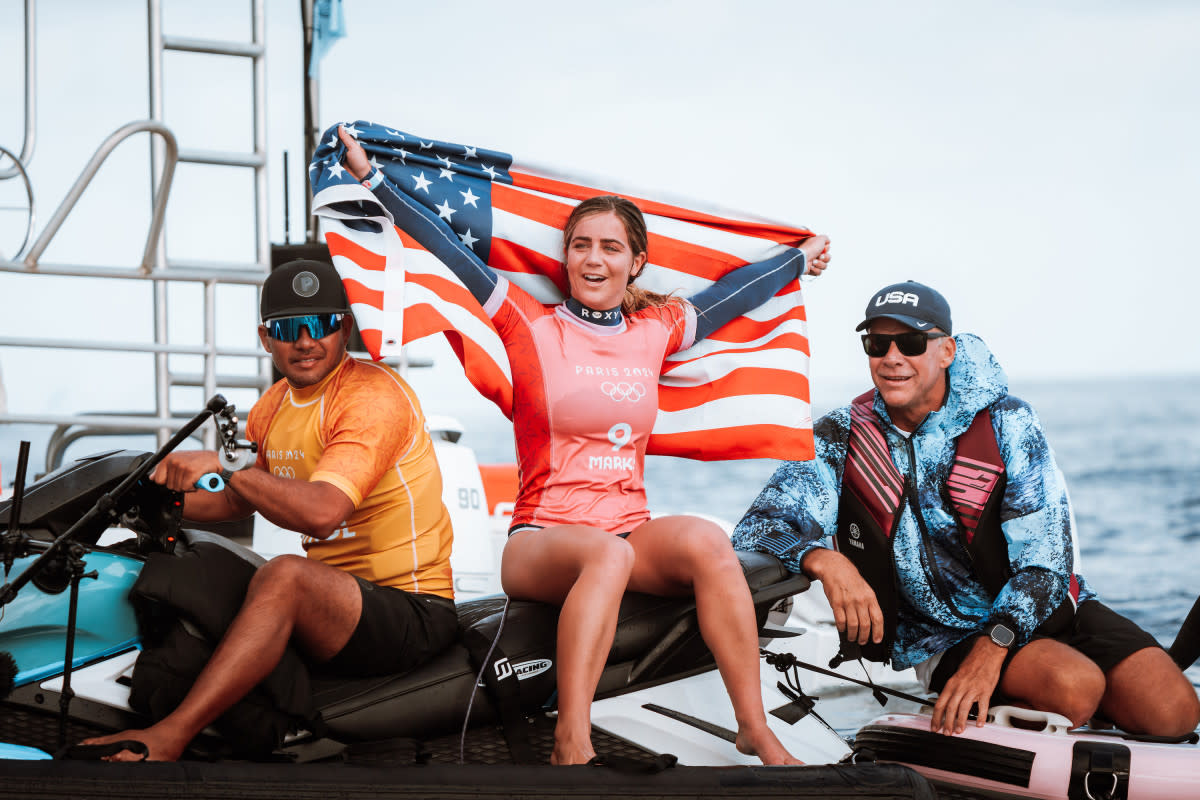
[
  {"x": 95, "y": 752},
  {"x": 634, "y": 766},
  {"x": 501, "y": 681},
  {"x": 395, "y": 752},
  {"x": 502, "y": 685}
]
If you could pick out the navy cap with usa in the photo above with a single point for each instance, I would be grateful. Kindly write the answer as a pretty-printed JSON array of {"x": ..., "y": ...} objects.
[
  {"x": 303, "y": 287},
  {"x": 911, "y": 303}
]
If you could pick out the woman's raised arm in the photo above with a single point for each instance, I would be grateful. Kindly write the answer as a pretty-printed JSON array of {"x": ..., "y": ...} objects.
[
  {"x": 752, "y": 285},
  {"x": 422, "y": 224}
]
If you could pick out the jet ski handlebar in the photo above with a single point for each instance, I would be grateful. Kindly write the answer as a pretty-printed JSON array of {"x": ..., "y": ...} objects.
[
  {"x": 233, "y": 453},
  {"x": 106, "y": 506}
]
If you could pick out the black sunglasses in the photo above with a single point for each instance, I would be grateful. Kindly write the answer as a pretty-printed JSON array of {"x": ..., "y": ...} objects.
[{"x": 912, "y": 343}]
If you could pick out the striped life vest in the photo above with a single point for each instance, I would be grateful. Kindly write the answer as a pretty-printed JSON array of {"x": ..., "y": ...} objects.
[{"x": 873, "y": 496}]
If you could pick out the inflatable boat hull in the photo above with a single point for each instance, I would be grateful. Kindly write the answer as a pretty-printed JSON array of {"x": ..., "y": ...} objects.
[{"x": 1049, "y": 763}]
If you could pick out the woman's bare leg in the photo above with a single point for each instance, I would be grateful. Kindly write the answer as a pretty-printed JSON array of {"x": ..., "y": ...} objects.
[
  {"x": 585, "y": 570},
  {"x": 682, "y": 555}
]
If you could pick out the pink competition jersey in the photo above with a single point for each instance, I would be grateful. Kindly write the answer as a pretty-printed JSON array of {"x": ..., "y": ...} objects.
[{"x": 585, "y": 397}]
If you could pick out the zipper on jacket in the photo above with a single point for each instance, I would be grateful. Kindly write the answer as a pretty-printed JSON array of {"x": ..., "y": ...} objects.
[{"x": 910, "y": 487}]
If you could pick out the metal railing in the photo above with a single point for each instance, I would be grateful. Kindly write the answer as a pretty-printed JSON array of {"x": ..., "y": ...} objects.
[
  {"x": 21, "y": 161},
  {"x": 69, "y": 428},
  {"x": 30, "y": 213},
  {"x": 30, "y": 134},
  {"x": 154, "y": 265},
  {"x": 161, "y": 192}
]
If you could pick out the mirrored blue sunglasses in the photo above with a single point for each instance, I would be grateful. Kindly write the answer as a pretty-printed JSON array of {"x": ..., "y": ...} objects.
[{"x": 288, "y": 329}]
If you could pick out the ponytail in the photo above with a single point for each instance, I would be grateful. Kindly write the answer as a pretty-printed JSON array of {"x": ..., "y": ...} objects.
[{"x": 637, "y": 298}]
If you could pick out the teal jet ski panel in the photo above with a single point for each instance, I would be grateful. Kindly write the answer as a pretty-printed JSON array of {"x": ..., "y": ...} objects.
[{"x": 33, "y": 627}]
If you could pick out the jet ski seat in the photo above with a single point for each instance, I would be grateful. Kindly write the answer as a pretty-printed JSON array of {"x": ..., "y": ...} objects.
[{"x": 656, "y": 637}]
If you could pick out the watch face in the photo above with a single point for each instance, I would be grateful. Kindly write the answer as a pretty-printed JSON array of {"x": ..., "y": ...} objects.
[{"x": 1001, "y": 635}]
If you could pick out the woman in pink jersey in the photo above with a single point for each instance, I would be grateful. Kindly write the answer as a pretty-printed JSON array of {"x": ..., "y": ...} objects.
[{"x": 585, "y": 380}]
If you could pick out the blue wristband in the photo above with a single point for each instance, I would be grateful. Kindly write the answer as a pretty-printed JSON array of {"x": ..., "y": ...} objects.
[{"x": 373, "y": 179}]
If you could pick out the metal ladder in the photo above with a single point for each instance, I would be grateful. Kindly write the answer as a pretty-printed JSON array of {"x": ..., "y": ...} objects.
[
  {"x": 256, "y": 160},
  {"x": 155, "y": 265}
]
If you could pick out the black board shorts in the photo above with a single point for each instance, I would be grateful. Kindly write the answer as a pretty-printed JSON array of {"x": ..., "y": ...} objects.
[
  {"x": 396, "y": 631},
  {"x": 1097, "y": 631}
]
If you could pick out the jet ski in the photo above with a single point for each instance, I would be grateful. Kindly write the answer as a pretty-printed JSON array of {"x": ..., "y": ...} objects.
[{"x": 478, "y": 715}]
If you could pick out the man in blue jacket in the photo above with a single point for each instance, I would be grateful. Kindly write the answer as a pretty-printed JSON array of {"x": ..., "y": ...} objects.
[{"x": 939, "y": 526}]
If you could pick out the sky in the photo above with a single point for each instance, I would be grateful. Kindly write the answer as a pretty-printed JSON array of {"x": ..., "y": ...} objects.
[{"x": 1034, "y": 161}]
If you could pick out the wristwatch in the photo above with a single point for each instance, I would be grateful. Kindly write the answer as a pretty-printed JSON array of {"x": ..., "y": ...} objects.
[
  {"x": 1001, "y": 634},
  {"x": 226, "y": 474}
]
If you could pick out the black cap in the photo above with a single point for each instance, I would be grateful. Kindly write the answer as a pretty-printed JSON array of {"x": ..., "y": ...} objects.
[
  {"x": 912, "y": 303},
  {"x": 303, "y": 287}
]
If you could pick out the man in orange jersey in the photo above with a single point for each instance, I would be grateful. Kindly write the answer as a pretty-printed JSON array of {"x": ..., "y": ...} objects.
[{"x": 345, "y": 460}]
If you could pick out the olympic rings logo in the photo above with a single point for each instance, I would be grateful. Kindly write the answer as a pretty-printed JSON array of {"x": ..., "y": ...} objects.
[
  {"x": 623, "y": 391},
  {"x": 284, "y": 472}
]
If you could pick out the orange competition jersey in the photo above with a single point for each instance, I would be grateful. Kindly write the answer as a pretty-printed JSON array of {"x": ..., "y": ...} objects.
[{"x": 362, "y": 430}]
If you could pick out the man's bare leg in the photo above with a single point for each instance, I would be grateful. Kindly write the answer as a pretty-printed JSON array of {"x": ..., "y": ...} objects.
[
  {"x": 289, "y": 596},
  {"x": 1148, "y": 694},
  {"x": 1051, "y": 676}
]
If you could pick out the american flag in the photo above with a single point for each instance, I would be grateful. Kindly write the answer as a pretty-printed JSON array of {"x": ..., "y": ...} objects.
[{"x": 741, "y": 393}]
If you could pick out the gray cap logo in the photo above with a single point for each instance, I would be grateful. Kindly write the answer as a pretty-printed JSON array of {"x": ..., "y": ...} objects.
[{"x": 305, "y": 284}]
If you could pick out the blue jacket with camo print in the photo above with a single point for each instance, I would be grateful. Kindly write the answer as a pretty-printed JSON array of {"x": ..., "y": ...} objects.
[{"x": 798, "y": 511}]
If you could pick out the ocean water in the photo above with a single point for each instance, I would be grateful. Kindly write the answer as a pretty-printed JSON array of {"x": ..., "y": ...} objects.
[{"x": 1130, "y": 450}]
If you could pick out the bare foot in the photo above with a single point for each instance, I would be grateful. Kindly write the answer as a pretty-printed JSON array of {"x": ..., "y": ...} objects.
[
  {"x": 763, "y": 742},
  {"x": 572, "y": 750},
  {"x": 162, "y": 745}
]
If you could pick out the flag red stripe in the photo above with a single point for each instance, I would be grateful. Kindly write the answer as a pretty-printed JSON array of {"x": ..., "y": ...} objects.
[
  {"x": 372, "y": 339},
  {"x": 361, "y": 294},
  {"x": 746, "y": 441},
  {"x": 531, "y": 206},
  {"x": 512, "y": 257},
  {"x": 423, "y": 319},
  {"x": 744, "y": 329},
  {"x": 341, "y": 246},
  {"x": 744, "y": 381},
  {"x": 703, "y": 262},
  {"x": 483, "y": 373},
  {"x": 451, "y": 292},
  {"x": 407, "y": 240},
  {"x": 790, "y": 341}
]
